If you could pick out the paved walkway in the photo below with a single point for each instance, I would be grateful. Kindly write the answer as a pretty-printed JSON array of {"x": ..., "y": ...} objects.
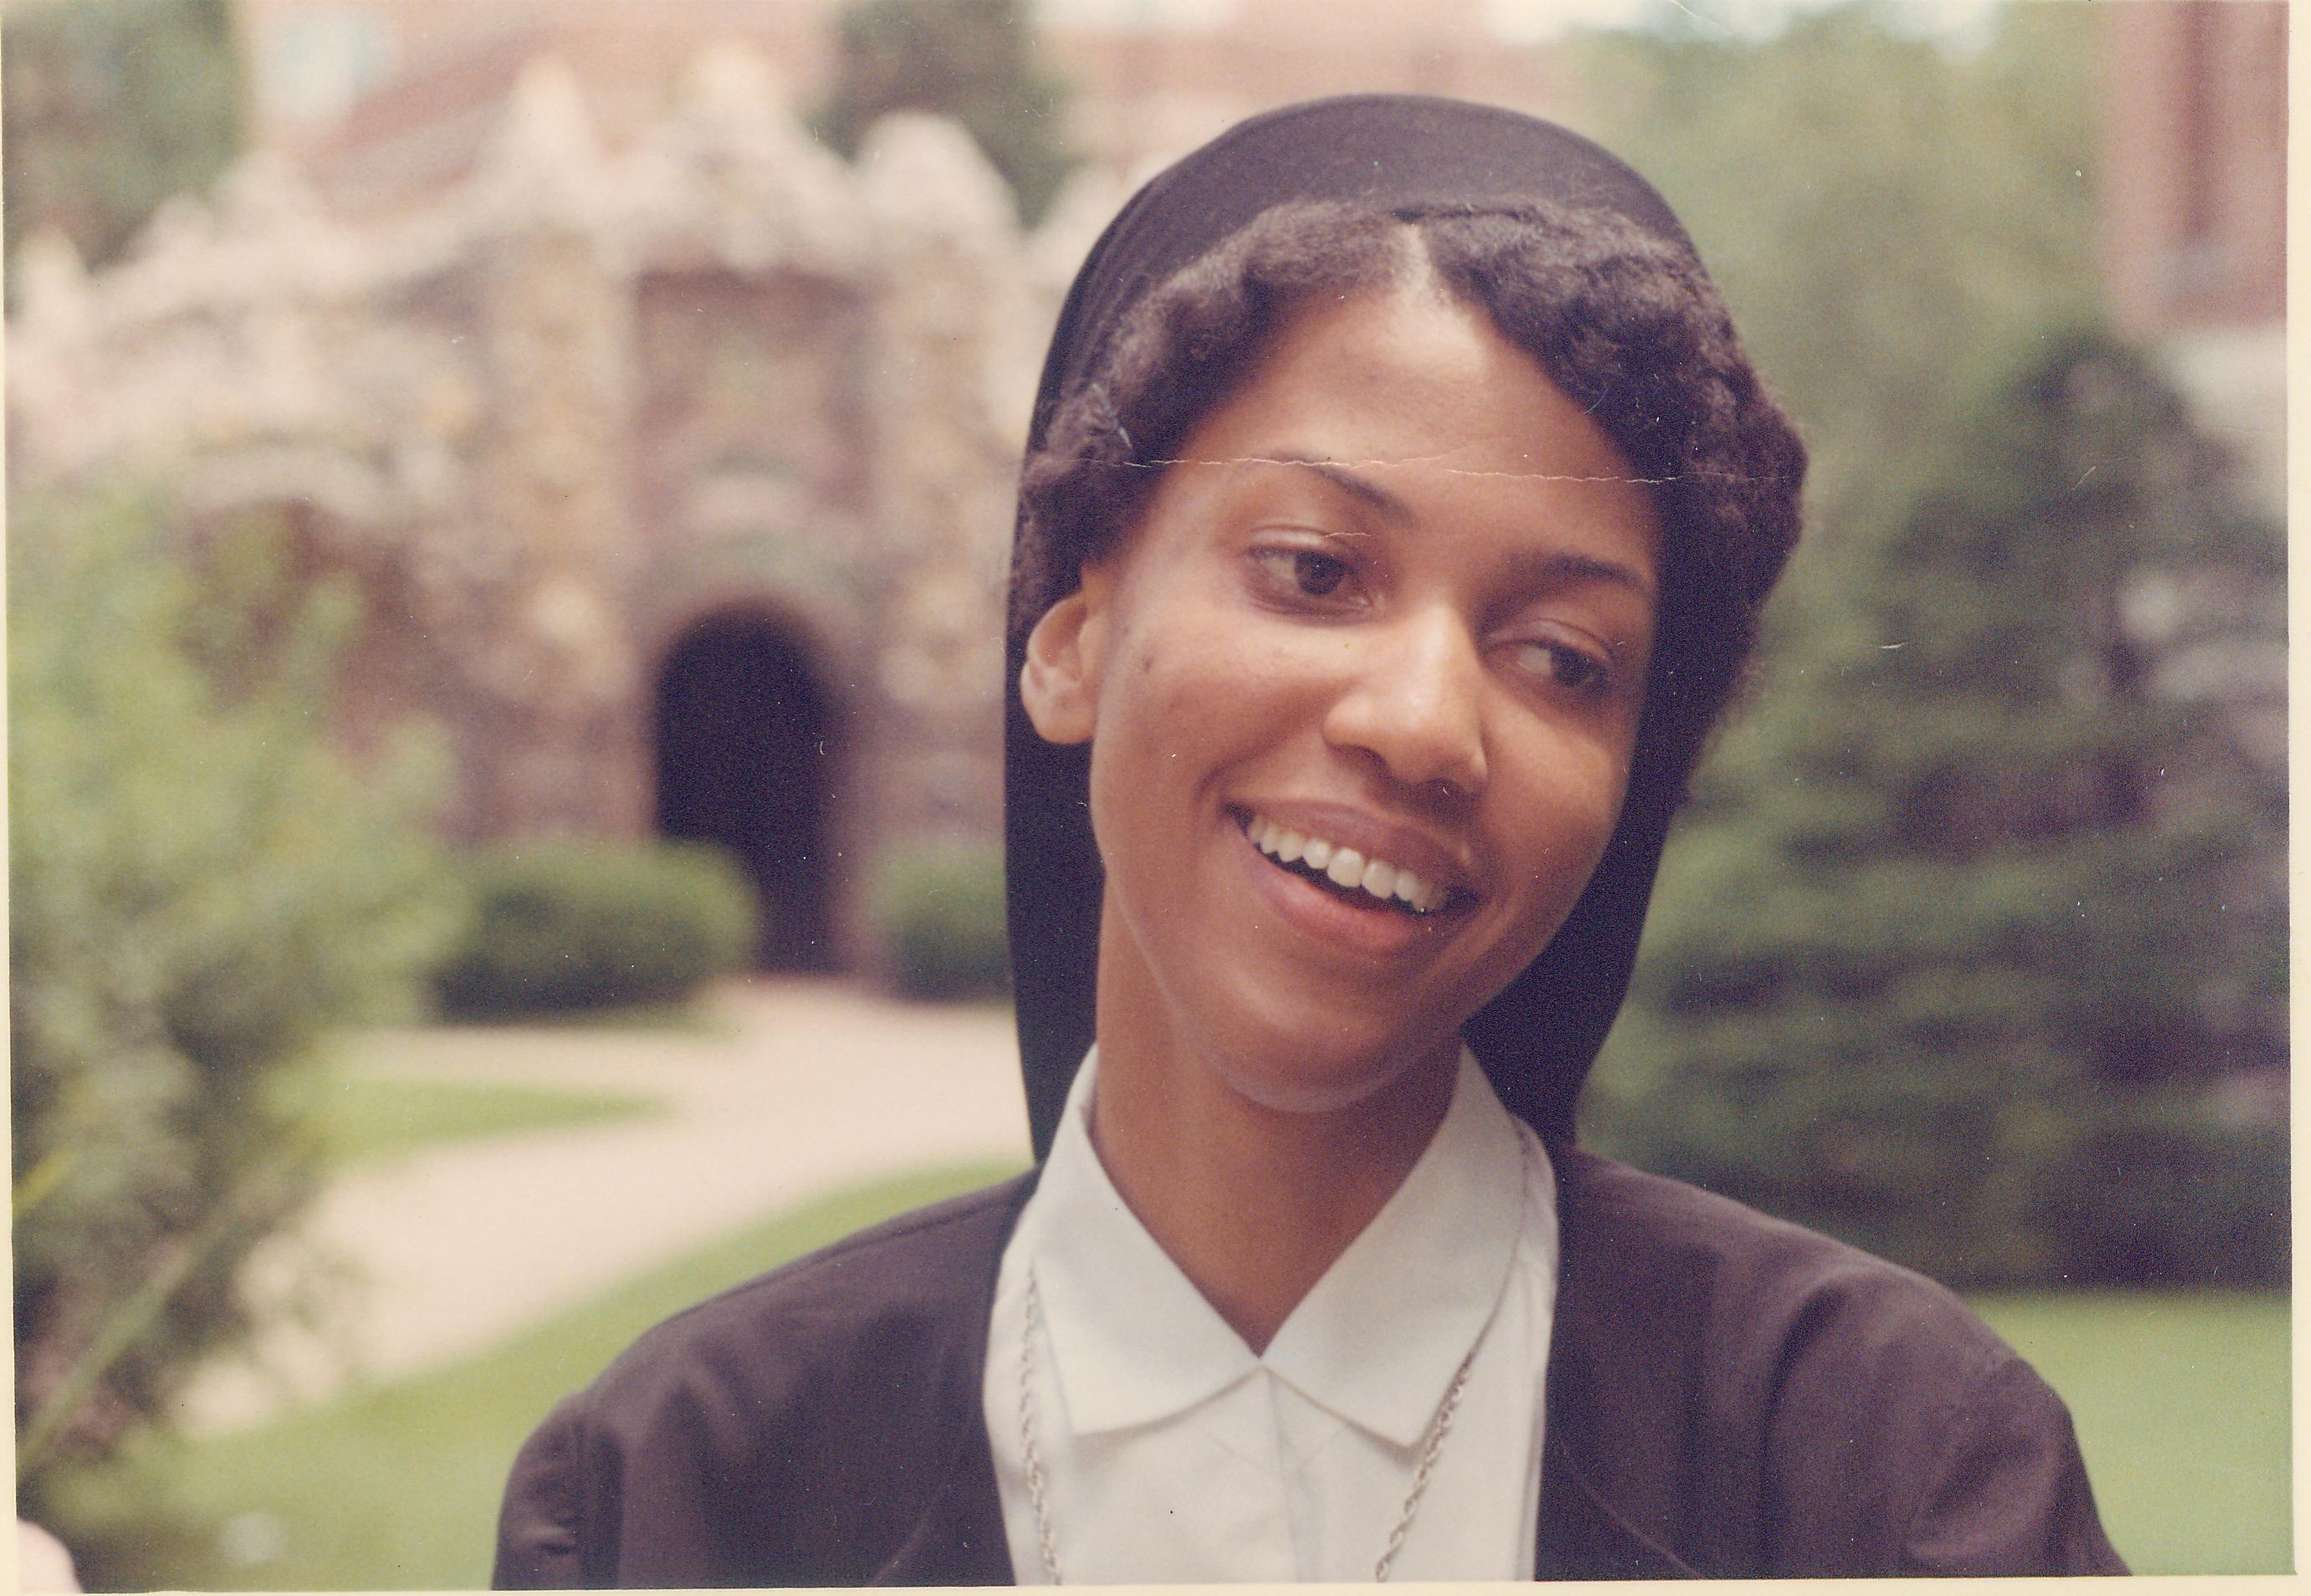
[{"x": 797, "y": 1086}]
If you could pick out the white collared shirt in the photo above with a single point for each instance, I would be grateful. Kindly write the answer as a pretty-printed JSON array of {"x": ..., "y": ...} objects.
[{"x": 1171, "y": 1453}]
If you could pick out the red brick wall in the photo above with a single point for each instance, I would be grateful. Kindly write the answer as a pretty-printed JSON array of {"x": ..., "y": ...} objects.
[{"x": 2194, "y": 153}]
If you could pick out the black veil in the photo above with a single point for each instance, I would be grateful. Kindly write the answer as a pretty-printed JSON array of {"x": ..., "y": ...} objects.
[{"x": 1538, "y": 1039}]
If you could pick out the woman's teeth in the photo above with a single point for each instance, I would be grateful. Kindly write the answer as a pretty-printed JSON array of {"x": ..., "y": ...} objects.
[{"x": 1345, "y": 868}]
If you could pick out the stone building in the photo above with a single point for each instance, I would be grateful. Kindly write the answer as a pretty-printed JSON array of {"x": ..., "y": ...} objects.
[
  {"x": 674, "y": 457},
  {"x": 678, "y": 482}
]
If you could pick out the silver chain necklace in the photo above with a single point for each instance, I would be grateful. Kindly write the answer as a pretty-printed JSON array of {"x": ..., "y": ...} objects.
[{"x": 1039, "y": 1494}]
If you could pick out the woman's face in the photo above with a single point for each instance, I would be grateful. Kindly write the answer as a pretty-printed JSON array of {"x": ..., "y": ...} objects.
[{"x": 1361, "y": 688}]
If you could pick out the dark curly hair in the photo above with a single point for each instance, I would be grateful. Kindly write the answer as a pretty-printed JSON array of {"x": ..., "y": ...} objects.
[{"x": 1627, "y": 324}]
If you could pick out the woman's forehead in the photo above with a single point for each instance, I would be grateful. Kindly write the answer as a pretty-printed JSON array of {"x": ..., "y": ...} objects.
[{"x": 1404, "y": 375}]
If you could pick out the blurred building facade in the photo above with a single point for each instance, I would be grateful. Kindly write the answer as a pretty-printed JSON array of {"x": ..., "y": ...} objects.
[
  {"x": 378, "y": 96},
  {"x": 2195, "y": 209},
  {"x": 675, "y": 457},
  {"x": 2194, "y": 118},
  {"x": 678, "y": 482}
]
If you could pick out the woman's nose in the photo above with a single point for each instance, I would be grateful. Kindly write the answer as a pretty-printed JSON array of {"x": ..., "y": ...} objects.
[{"x": 1414, "y": 701}]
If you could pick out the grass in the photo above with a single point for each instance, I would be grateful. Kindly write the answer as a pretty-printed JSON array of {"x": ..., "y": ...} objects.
[
  {"x": 678, "y": 1017},
  {"x": 2181, "y": 1401},
  {"x": 2184, "y": 1412},
  {"x": 398, "y": 1487},
  {"x": 373, "y": 1118}
]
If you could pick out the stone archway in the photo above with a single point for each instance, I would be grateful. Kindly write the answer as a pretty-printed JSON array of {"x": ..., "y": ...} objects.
[{"x": 746, "y": 749}]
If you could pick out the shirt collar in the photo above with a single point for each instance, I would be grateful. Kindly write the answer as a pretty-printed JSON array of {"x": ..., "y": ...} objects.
[{"x": 1134, "y": 1341}]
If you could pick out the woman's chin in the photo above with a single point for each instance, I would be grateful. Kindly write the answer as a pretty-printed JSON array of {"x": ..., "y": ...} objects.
[{"x": 1288, "y": 1071}]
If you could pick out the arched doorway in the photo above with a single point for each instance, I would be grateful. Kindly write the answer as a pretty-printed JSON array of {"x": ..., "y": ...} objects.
[{"x": 745, "y": 746}]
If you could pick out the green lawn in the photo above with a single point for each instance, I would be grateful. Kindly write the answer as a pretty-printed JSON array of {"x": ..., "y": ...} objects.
[
  {"x": 373, "y": 1118},
  {"x": 676, "y": 1017},
  {"x": 2181, "y": 1400},
  {"x": 2183, "y": 1408},
  {"x": 397, "y": 1489}
]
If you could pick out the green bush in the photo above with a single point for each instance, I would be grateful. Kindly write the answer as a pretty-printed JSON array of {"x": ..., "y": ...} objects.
[
  {"x": 568, "y": 924},
  {"x": 939, "y": 909},
  {"x": 1973, "y": 950},
  {"x": 2202, "y": 1198},
  {"x": 199, "y": 888},
  {"x": 107, "y": 111},
  {"x": 977, "y": 61}
]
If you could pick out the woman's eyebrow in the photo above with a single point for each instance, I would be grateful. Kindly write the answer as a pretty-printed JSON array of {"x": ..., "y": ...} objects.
[
  {"x": 1533, "y": 568},
  {"x": 1540, "y": 569},
  {"x": 1354, "y": 483}
]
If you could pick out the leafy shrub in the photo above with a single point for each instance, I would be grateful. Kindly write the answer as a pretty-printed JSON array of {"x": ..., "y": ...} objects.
[
  {"x": 939, "y": 908},
  {"x": 974, "y": 60},
  {"x": 200, "y": 887},
  {"x": 2171, "y": 1190},
  {"x": 1974, "y": 953},
  {"x": 112, "y": 110},
  {"x": 569, "y": 924}
]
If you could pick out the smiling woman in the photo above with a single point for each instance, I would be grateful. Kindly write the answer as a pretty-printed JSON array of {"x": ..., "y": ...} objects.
[
  {"x": 1395, "y": 597},
  {"x": 1394, "y": 527}
]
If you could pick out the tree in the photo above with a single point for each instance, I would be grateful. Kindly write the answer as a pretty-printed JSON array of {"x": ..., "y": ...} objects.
[
  {"x": 198, "y": 886},
  {"x": 1883, "y": 215},
  {"x": 973, "y": 60},
  {"x": 1980, "y": 929},
  {"x": 1969, "y": 948},
  {"x": 108, "y": 108}
]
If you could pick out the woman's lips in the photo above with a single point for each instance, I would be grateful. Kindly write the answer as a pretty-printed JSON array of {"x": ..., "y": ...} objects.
[
  {"x": 1393, "y": 885},
  {"x": 1355, "y": 921}
]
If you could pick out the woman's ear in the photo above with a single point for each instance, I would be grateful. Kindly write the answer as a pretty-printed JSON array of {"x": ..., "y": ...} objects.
[{"x": 1059, "y": 683}]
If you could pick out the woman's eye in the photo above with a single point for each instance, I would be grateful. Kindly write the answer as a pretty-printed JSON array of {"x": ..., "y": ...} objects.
[
  {"x": 1318, "y": 575},
  {"x": 1565, "y": 666},
  {"x": 1306, "y": 573}
]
